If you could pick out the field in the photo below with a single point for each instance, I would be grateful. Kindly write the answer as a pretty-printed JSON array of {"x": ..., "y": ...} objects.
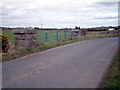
[
  {"x": 12, "y": 53},
  {"x": 10, "y": 36},
  {"x": 52, "y": 35},
  {"x": 112, "y": 77},
  {"x": 41, "y": 35},
  {"x": 106, "y": 31}
]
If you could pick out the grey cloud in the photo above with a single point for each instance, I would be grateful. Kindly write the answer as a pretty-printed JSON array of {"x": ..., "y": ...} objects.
[
  {"x": 2, "y": 13},
  {"x": 106, "y": 17},
  {"x": 60, "y": 14},
  {"x": 106, "y": 4}
]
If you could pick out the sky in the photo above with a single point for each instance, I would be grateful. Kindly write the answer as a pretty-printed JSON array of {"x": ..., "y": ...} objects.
[{"x": 58, "y": 13}]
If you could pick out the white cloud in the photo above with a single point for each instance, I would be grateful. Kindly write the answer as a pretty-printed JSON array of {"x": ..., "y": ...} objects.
[
  {"x": 106, "y": 16},
  {"x": 57, "y": 13}
]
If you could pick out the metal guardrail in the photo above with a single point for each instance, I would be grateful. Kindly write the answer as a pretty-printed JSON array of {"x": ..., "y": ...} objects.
[{"x": 55, "y": 35}]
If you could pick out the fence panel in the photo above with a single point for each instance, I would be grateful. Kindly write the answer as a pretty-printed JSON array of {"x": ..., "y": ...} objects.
[{"x": 51, "y": 36}]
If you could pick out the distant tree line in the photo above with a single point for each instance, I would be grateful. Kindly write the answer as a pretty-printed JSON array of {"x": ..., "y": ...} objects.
[
  {"x": 105, "y": 28},
  {"x": 77, "y": 27}
]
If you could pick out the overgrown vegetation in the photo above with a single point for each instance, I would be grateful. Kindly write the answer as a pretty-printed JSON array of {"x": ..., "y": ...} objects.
[
  {"x": 10, "y": 35},
  {"x": 43, "y": 46},
  {"x": 11, "y": 40},
  {"x": 112, "y": 80},
  {"x": 5, "y": 44}
]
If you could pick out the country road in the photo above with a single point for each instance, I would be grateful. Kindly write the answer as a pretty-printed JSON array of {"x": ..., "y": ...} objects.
[{"x": 78, "y": 65}]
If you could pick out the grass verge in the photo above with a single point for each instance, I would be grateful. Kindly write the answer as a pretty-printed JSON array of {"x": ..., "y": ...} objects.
[
  {"x": 13, "y": 54},
  {"x": 10, "y": 36},
  {"x": 112, "y": 79}
]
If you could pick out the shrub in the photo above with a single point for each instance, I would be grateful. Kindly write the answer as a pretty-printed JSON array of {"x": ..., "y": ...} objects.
[{"x": 5, "y": 44}]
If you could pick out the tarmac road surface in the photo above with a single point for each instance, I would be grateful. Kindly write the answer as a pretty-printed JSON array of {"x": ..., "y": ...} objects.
[{"x": 78, "y": 65}]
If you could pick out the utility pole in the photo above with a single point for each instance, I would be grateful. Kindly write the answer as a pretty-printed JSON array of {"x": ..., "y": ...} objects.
[{"x": 41, "y": 26}]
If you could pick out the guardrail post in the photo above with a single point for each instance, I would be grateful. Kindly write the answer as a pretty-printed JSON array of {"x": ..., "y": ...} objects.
[
  {"x": 46, "y": 36},
  {"x": 70, "y": 34},
  {"x": 57, "y": 35},
  {"x": 64, "y": 34}
]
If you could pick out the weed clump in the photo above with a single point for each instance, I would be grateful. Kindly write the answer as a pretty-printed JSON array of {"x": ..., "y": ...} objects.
[{"x": 5, "y": 44}]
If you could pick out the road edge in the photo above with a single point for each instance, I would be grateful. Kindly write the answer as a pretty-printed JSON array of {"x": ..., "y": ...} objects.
[{"x": 107, "y": 69}]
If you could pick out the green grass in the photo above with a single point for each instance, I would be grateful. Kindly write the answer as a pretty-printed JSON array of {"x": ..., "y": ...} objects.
[
  {"x": 43, "y": 46},
  {"x": 10, "y": 36},
  {"x": 109, "y": 31},
  {"x": 112, "y": 79},
  {"x": 11, "y": 39},
  {"x": 51, "y": 35}
]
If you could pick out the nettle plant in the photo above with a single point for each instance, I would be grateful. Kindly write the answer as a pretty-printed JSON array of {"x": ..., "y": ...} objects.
[{"x": 5, "y": 43}]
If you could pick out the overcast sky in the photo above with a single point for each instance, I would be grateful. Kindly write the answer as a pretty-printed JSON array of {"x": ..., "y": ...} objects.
[{"x": 58, "y": 13}]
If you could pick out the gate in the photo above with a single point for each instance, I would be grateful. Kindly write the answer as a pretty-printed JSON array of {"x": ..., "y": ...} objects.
[{"x": 51, "y": 36}]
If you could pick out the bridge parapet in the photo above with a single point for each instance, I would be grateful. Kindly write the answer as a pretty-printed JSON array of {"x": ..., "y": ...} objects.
[{"x": 25, "y": 38}]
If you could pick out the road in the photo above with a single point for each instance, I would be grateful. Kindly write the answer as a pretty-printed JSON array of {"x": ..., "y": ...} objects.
[{"x": 78, "y": 65}]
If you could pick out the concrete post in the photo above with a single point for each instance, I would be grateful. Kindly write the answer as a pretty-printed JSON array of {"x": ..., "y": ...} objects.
[
  {"x": 25, "y": 38},
  {"x": 82, "y": 32}
]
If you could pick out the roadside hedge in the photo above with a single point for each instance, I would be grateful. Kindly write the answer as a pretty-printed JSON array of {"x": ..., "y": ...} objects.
[{"x": 4, "y": 42}]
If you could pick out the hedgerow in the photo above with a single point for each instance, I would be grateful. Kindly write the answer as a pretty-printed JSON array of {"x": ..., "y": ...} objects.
[{"x": 5, "y": 43}]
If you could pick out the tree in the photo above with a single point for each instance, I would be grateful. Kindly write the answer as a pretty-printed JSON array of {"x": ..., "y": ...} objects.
[{"x": 76, "y": 27}]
